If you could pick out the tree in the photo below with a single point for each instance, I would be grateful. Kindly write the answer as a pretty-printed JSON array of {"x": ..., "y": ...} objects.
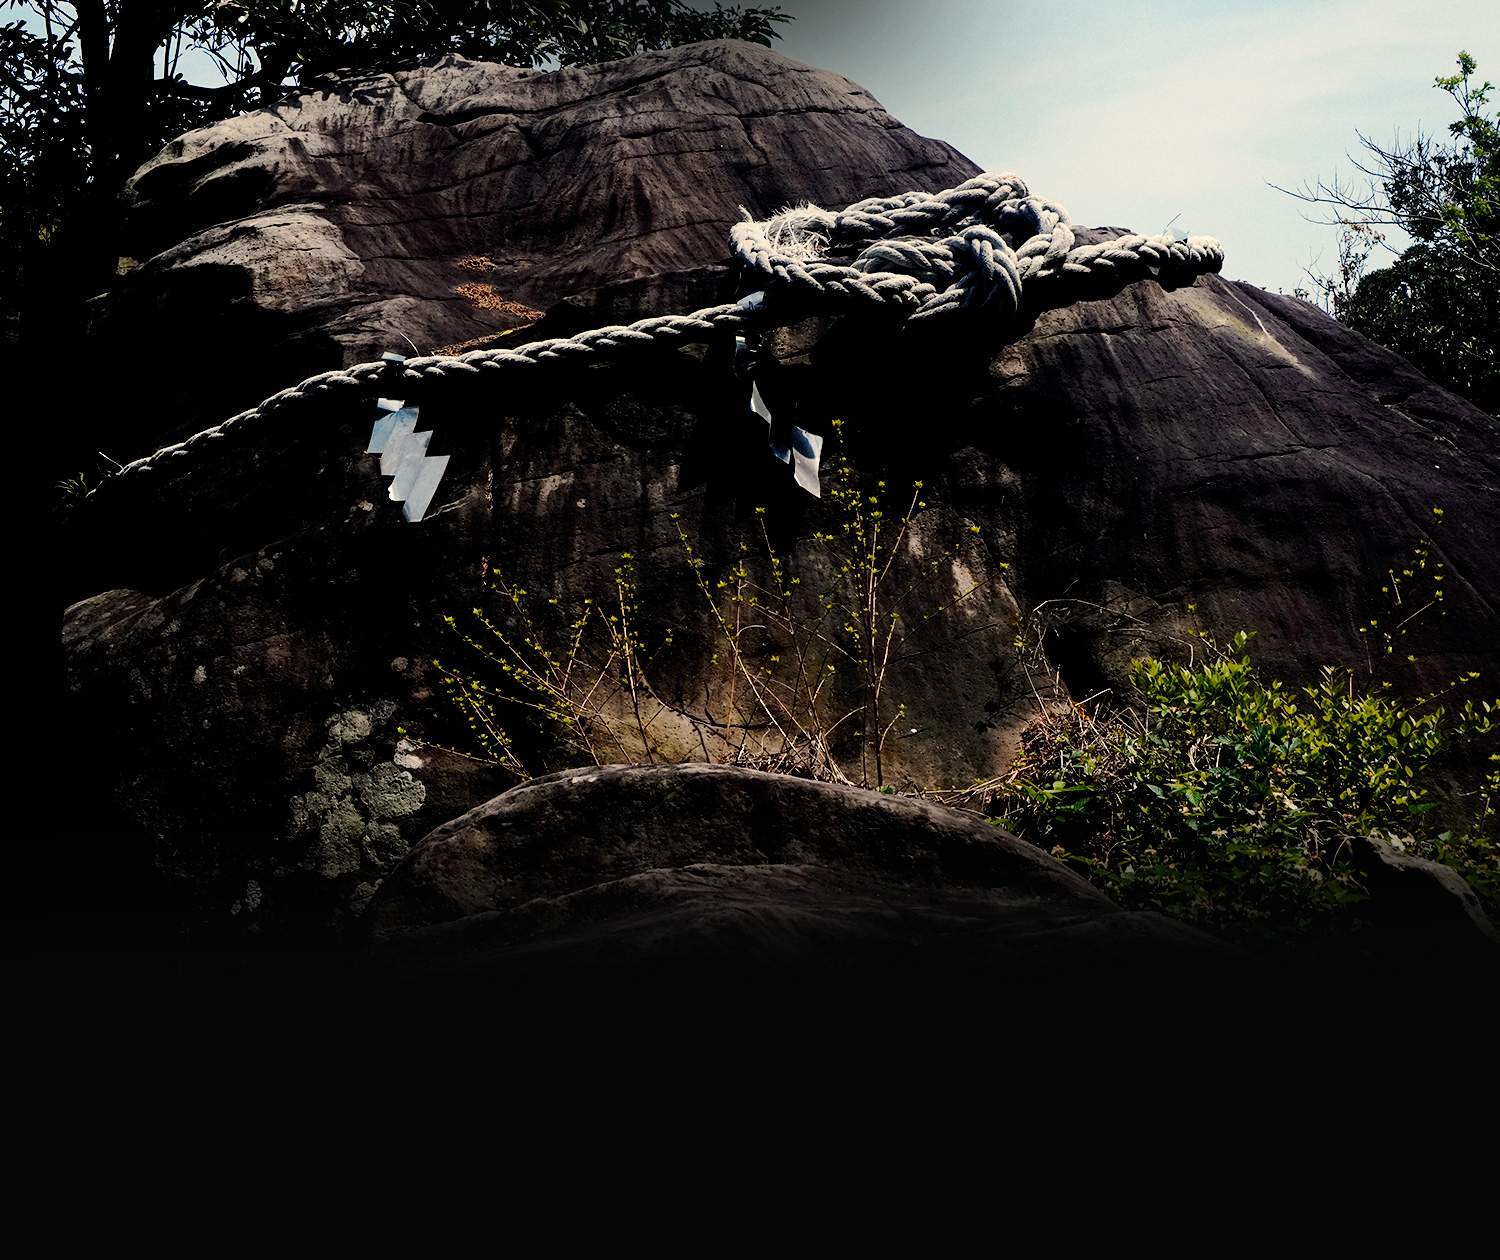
[
  {"x": 1445, "y": 193},
  {"x": 1436, "y": 305},
  {"x": 91, "y": 89},
  {"x": 1432, "y": 309}
]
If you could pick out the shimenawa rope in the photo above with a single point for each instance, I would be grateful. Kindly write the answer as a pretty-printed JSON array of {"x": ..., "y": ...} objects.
[{"x": 921, "y": 256}]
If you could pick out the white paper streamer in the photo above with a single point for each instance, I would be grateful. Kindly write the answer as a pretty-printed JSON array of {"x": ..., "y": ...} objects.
[
  {"x": 403, "y": 454},
  {"x": 806, "y": 451}
]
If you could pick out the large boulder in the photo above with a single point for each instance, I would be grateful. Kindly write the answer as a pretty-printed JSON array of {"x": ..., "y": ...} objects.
[
  {"x": 256, "y": 621},
  {"x": 692, "y": 871},
  {"x": 434, "y": 206}
]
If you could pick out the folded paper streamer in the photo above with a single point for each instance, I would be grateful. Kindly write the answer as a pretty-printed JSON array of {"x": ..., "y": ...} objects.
[
  {"x": 403, "y": 454},
  {"x": 803, "y": 450}
]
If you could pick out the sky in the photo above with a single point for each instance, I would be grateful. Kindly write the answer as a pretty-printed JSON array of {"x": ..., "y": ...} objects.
[{"x": 1136, "y": 114}]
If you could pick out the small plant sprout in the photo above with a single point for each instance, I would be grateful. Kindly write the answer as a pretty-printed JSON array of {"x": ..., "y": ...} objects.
[
  {"x": 1403, "y": 605},
  {"x": 803, "y": 648},
  {"x": 591, "y": 691}
]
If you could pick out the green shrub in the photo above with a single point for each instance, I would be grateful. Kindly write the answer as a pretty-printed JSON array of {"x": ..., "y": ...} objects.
[{"x": 1227, "y": 801}]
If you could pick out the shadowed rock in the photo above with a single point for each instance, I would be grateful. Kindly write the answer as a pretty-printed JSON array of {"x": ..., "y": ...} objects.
[
  {"x": 694, "y": 871},
  {"x": 1427, "y": 913},
  {"x": 1140, "y": 465}
]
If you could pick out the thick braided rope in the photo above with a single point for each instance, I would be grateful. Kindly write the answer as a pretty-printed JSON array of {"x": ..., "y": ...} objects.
[
  {"x": 918, "y": 255},
  {"x": 972, "y": 247}
]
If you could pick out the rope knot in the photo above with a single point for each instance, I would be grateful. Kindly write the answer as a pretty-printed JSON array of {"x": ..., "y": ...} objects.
[{"x": 975, "y": 246}]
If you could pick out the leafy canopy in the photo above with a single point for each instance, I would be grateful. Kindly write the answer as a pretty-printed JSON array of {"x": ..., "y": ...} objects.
[
  {"x": 1437, "y": 305},
  {"x": 1441, "y": 192}
]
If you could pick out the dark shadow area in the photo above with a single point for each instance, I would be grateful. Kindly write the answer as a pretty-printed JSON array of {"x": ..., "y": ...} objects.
[
  {"x": 175, "y": 199},
  {"x": 1071, "y": 649},
  {"x": 268, "y": 480},
  {"x": 155, "y": 346}
]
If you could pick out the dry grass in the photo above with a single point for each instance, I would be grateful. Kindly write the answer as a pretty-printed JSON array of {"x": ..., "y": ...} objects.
[
  {"x": 478, "y": 343},
  {"x": 486, "y": 299}
]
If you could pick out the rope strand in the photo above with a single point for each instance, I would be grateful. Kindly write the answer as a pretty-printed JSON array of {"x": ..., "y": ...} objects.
[{"x": 923, "y": 256}]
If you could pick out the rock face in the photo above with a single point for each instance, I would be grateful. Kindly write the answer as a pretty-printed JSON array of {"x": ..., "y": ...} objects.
[
  {"x": 696, "y": 871},
  {"x": 1426, "y": 908},
  {"x": 1108, "y": 478},
  {"x": 409, "y": 209}
]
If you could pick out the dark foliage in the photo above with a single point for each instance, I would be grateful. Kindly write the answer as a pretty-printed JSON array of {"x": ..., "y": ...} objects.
[
  {"x": 1436, "y": 311},
  {"x": 1437, "y": 304}
]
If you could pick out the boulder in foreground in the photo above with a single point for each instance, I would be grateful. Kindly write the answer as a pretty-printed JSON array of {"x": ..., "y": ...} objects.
[{"x": 691, "y": 871}]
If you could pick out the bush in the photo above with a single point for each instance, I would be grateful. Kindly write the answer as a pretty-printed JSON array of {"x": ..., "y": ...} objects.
[
  {"x": 810, "y": 643},
  {"x": 590, "y": 691},
  {"x": 1227, "y": 801}
]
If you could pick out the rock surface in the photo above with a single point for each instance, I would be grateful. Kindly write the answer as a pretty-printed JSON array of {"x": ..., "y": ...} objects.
[
  {"x": 1138, "y": 466},
  {"x": 374, "y": 214},
  {"x": 695, "y": 871},
  {"x": 1424, "y": 909}
]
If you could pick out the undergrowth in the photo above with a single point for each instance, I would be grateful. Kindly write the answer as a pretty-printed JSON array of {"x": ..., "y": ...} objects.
[
  {"x": 1213, "y": 796},
  {"x": 590, "y": 692},
  {"x": 803, "y": 650},
  {"x": 1229, "y": 801}
]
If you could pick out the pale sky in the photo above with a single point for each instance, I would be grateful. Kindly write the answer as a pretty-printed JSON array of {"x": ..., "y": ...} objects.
[{"x": 1130, "y": 113}]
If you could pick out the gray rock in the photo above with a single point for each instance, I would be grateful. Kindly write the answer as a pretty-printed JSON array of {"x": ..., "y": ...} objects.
[
  {"x": 343, "y": 222},
  {"x": 701, "y": 871},
  {"x": 1421, "y": 907},
  {"x": 1140, "y": 465}
]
